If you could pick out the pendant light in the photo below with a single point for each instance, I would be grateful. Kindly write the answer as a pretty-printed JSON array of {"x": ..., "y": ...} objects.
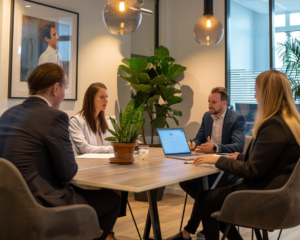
[
  {"x": 123, "y": 17},
  {"x": 208, "y": 29}
]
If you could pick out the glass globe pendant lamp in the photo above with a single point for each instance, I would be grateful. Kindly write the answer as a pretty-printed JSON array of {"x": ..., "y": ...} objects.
[
  {"x": 208, "y": 29},
  {"x": 122, "y": 17}
]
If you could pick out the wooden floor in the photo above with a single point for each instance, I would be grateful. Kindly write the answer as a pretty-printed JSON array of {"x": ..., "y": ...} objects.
[{"x": 170, "y": 211}]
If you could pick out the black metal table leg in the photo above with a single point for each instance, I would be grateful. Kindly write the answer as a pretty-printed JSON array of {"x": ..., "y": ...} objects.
[
  {"x": 152, "y": 217},
  {"x": 147, "y": 226}
]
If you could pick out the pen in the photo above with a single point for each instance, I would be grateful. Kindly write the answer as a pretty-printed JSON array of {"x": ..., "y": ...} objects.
[
  {"x": 191, "y": 141},
  {"x": 188, "y": 162}
]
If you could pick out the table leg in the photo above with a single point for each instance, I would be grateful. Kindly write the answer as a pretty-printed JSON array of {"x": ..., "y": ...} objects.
[
  {"x": 152, "y": 216},
  {"x": 147, "y": 226}
]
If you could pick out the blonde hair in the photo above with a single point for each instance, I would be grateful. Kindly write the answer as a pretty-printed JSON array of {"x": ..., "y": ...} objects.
[{"x": 276, "y": 97}]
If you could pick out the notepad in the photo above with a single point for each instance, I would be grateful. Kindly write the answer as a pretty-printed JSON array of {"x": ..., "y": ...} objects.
[{"x": 97, "y": 155}]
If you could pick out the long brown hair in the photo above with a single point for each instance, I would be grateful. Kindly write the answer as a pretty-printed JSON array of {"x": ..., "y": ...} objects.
[
  {"x": 276, "y": 97},
  {"x": 88, "y": 109},
  {"x": 44, "y": 76}
]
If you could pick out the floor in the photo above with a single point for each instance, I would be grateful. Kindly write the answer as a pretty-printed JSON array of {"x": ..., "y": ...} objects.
[{"x": 170, "y": 212}]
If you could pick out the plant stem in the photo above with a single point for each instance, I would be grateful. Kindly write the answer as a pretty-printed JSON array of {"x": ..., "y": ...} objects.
[{"x": 143, "y": 135}]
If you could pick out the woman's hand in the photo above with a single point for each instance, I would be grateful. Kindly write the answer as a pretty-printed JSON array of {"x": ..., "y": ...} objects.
[
  {"x": 208, "y": 159},
  {"x": 234, "y": 155}
]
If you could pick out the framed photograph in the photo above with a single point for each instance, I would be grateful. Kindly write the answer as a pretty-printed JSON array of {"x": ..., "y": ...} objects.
[{"x": 41, "y": 34}]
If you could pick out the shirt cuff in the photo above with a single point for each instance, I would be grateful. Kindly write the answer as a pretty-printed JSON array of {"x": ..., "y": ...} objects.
[{"x": 217, "y": 148}]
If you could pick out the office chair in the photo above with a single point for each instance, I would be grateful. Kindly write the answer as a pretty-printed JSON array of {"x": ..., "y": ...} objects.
[
  {"x": 265, "y": 210},
  {"x": 21, "y": 217}
]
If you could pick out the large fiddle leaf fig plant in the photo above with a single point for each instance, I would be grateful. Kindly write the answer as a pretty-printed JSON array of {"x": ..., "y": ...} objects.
[
  {"x": 130, "y": 124},
  {"x": 154, "y": 81}
]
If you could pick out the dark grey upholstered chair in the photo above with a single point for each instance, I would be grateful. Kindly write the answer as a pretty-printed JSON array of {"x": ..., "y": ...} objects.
[
  {"x": 247, "y": 143},
  {"x": 21, "y": 217},
  {"x": 264, "y": 209}
]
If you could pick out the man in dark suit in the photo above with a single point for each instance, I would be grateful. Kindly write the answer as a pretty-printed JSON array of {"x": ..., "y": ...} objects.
[
  {"x": 222, "y": 131},
  {"x": 34, "y": 136}
]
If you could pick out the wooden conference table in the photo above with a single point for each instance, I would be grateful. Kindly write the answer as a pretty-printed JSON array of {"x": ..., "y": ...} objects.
[{"x": 141, "y": 176}]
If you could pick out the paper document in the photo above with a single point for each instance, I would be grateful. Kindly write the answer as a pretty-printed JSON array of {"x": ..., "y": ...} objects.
[{"x": 97, "y": 155}]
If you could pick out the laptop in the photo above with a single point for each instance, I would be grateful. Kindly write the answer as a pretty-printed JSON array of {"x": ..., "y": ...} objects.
[{"x": 174, "y": 143}]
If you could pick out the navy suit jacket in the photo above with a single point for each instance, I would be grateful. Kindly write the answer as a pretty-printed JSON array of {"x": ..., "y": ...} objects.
[{"x": 233, "y": 133}]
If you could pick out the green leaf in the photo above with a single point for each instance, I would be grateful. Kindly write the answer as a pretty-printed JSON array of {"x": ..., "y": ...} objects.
[
  {"x": 152, "y": 59},
  {"x": 136, "y": 129},
  {"x": 120, "y": 118},
  {"x": 128, "y": 70},
  {"x": 143, "y": 77},
  {"x": 159, "y": 122},
  {"x": 176, "y": 121},
  {"x": 162, "y": 52},
  {"x": 153, "y": 99},
  {"x": 113, "y": 133},
  {"x": 129, "y": 132},
  {"x": 152, "y": 73},
  {"x": 173, "y": 82},
  {"x": 175, "y": 90},
  {"x": 169, "y": 59},
  {"x": 160, "y": 110},
  {"x": 164, "y": 67},
  {"x": 160, "y": 79},
  {"x": 138, "y": 64},
  {"x": 126, "y": 61},
  {"x": 129, "y": 79},
  {"x": 142, "y": 87},
  {"x": 175, "y": 70},
  {"x": 127, "y": 114},
  {"x": 137, "y": 114},
  {"x": 176, "y": 112},
  {"x": 174, "y": 100},
  {"x": 111, "y": 139},
  {"x": 167, "y": 125},
  {"x": 141, "y": 97},
  {"x": 167, "y": 93},
  {"x": 115, "y": 125}
]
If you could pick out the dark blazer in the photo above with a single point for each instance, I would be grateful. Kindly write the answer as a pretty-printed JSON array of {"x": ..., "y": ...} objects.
[
  {"x": 270, "y": 159},
  {"x": 233, "y": 133},
  {"x": 35, "y": 138}
]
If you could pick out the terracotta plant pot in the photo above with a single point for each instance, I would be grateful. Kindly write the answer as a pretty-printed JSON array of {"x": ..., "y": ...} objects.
[{"x": 123, "y": 153}]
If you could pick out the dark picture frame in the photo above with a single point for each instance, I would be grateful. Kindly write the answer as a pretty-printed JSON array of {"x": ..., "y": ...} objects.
[{"x": 42, "y": 33}]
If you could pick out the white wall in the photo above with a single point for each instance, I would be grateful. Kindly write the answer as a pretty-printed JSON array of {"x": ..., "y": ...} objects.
[
  {"x": 99, "y": 55},
  {"x": 205, "y": 64}
]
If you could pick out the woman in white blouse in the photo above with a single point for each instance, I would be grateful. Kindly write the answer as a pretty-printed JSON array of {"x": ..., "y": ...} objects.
[{"x": 88, "y": 128}]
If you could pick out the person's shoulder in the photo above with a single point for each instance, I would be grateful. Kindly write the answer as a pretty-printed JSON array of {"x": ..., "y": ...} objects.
[
  {"x": 275, "y": 120},
  {"x": 235, "y": 116},
  {"x": 207, "y": 114}
]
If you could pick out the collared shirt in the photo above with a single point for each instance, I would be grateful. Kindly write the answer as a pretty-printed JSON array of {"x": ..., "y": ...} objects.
[
  {"x": 41, "y": 97},
  {"x": 216, "y": 132},
  {"x": 49, "y": 56}
]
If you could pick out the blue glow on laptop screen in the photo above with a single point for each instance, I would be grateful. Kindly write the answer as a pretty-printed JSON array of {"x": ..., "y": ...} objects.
[{"x": 173, "y": 141}]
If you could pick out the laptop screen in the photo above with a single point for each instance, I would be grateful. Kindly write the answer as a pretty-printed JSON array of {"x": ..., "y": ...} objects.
[{"x": 173, "y": 140}]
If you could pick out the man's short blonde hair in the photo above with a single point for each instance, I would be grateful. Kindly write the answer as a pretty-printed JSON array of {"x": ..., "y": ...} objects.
[{"x": 223, "y": 91}]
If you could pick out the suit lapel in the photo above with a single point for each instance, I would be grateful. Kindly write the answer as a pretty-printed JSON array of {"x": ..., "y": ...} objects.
[
  {"x": 209, "y": 128},
  {"x": 226, "y": 126}
]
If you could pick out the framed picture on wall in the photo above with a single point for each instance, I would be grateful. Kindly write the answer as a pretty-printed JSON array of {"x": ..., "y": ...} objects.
[{"x": 41, "y": 34}]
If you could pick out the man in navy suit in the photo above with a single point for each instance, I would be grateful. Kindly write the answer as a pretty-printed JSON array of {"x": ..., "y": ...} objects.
[{"x": 222, "y": 131}]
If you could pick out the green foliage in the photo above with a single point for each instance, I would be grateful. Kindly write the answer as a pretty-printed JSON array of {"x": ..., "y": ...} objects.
[
  {"x": 154, "y": 79},
  {"x": 130, "y": 124},
  {"x": 289, "y": 53}
]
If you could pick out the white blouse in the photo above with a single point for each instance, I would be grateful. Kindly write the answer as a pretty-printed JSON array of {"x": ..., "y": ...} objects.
[{"x": 85, "y": 141}]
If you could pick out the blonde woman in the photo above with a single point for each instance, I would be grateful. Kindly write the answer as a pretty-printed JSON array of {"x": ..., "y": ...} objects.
[{"x": 271, "y": 157}]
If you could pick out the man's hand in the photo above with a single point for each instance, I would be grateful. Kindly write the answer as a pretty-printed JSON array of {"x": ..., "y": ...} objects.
[
  {"x": 205, "y": 147},
  {"x": 192, "y": 145},
  {"x": 208, "y": 159},
  {"x": 234, "y": 155}
]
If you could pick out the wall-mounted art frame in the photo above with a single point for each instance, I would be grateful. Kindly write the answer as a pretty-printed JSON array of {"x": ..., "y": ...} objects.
[{"x": 41, "y": 33}]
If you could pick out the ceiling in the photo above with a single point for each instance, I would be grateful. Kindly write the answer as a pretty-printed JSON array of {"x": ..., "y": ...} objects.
[{"x": 262, "y": 6}]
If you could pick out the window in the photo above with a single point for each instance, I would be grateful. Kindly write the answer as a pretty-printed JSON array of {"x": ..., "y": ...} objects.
[{"x": 248, "y": 49}]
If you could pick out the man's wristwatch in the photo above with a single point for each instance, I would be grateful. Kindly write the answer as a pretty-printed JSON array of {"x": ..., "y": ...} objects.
[{"x": 215, "y": 148}]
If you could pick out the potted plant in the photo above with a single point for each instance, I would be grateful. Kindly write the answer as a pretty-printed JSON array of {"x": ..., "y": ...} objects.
[
  {"x": 154, "y": 81},
  {"x": 126, "y": 133},
  {"x": 289, "y": 53}
]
